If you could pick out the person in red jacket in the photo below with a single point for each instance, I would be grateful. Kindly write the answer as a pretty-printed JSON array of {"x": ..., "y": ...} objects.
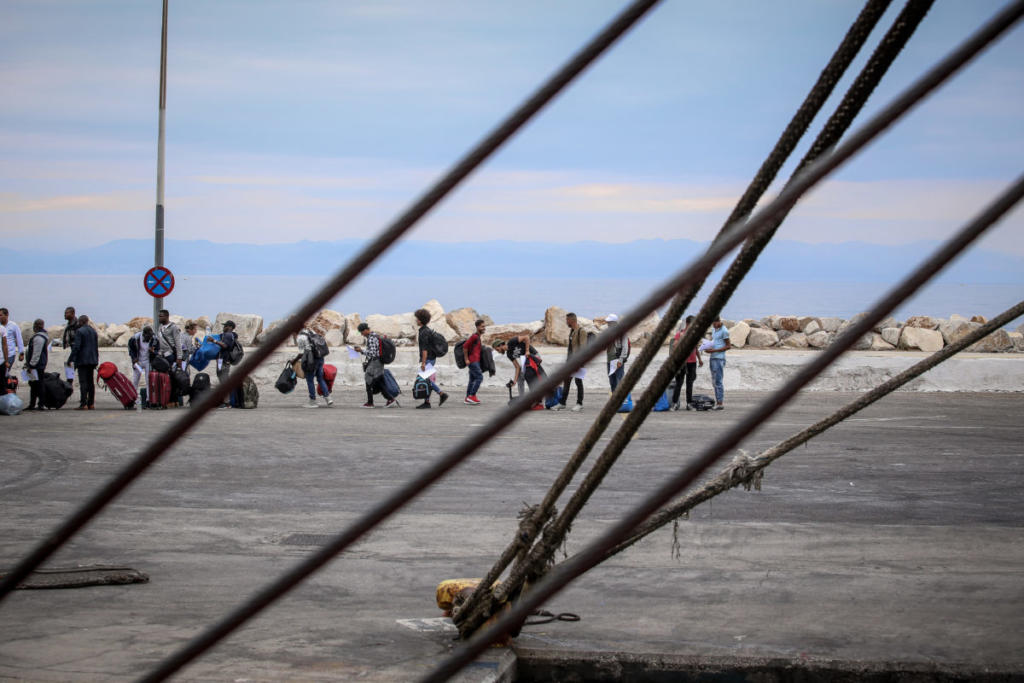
[{"x": 472, "y": 349}]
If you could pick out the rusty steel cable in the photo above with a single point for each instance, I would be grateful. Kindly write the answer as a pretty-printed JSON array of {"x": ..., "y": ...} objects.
[
  {"x": 732, "y": 477},
  {"x": 476, "y": 156},
  {"x": 532, "y": 564},
  {"x": 700, "y": 267},
  {"x": 592, "y": 554},
  {"x": 527, "y": 531}
]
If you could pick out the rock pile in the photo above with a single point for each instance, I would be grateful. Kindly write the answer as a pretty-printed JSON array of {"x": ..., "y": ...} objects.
[{"x": 917, "y": 333}]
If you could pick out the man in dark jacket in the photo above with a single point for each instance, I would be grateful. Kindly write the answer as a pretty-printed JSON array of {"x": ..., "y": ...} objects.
[
  {"x": 85, "y": 356},
  {"x": 226, "y": 343},
  {"x": 35, "y": 364},
  {"x": 67, "y": 338}
]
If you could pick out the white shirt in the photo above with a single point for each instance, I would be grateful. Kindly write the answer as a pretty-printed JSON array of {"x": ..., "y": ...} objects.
[{"x": 15, "y": 345}]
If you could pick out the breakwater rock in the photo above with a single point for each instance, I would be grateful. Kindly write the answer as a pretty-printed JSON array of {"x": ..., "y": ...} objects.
[{"x": 916, "y": 333}]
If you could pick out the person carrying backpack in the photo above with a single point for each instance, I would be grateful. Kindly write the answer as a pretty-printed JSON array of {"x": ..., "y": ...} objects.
[
  {"x": 429, "y": 347},
  {"x": 689, "y": 370},
  {"x": 37, "y": 354},
  {"x": 227, "y": 342},
  {"x": 616, "y": 354},
  {"x": 170, "y": 348},
  {"x": 525, "y": 361},
  {"x": 473, "y": 348},
  {"x": 141, "y": 346},
  {"x": 313, "y": 348},
  {"x": 373, "y": 366}
]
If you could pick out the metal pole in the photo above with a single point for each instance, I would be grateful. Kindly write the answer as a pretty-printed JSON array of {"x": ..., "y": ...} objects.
[{"x": 158, "y": 253}]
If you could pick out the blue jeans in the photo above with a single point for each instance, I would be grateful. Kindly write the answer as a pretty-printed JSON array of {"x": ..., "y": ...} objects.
[
  {"x": 717, "y": 372},
  {"x": 616, "y": 377},
  {"x": 476, "y": 378},
  {"x": 317, "y": 376}
]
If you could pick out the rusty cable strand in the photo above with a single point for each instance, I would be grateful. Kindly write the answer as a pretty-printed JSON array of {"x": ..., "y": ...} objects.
[
  {"x": 592, "y": 555},
  {"x": 751, "y": 467},
  {"x": 529, "y": 527},
  {"x": 701, "y": 266},
  {"x": 541, "y": 556},
  {"x": 476, "y": 156}
]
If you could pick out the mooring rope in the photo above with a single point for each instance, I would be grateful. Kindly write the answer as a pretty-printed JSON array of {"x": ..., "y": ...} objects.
[
  {"x": 542, "y": 555},
  {"x": 530, "y": 527},
  {"x": 188, "y": 419},
  {"x": 555, "y": 580},
  {"x": 747, "y": 470}
]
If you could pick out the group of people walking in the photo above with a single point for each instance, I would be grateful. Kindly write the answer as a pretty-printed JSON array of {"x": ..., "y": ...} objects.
[{"x": 166, "y": 348}]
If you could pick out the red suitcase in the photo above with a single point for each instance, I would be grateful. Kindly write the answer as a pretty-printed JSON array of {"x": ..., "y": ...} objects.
[
  {"x": 159, "y": 389},
  {"x": 330, "y": 372},
  {"x": 122, "y": 389}
]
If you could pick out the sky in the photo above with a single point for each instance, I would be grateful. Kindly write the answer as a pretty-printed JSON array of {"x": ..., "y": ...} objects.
[{"x": 322, "y": 120}]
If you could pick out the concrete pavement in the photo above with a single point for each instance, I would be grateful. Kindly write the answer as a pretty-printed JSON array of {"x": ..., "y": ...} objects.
[{"x": 894, "y": 540}]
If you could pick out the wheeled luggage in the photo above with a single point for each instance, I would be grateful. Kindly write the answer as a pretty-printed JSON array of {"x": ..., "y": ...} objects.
[
  {"x": 121, "y": 387},
  {"x": 180, "y": 381},
  {"x": 389, "y": 386},
  {"x": 158, "y": 385},
  {"x": 56, "y": 390},
  {"x": 330, "y": 373},
  {"x": 200, "y": 385}
]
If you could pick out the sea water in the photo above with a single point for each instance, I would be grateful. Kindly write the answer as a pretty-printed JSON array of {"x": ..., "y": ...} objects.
[{"x": 118, "y": 298}]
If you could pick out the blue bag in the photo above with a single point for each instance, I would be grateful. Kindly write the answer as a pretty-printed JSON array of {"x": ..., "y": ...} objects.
[
  {"x": 554, "y": 399},
  {"x": 627, "y": 405},
  {"x": 663, "y": 403},
  {"x": 10, "y": 404},
  {"x": 206, "y": 352}
]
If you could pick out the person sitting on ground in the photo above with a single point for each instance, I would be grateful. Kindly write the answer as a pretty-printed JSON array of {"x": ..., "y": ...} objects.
[
  {"x": 427, "y": 357},
  {"x": 373, "y": 367},
  {"x": 577, "y": 340},
  {"x": 313, "y": 368},
  {"x": 473, "y": 348}
]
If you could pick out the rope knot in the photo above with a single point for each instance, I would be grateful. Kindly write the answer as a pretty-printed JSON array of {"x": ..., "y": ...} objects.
[{"x": 743, "y": 471}]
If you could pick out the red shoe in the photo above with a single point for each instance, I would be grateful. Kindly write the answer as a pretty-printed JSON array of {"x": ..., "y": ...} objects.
[{"x": 539, "y": 406}]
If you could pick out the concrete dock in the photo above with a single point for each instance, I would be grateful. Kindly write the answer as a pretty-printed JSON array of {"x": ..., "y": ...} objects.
[{"x": 893, "y": 542}]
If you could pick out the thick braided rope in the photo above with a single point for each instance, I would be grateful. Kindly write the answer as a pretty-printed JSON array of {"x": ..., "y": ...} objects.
[
  {"x": 815, "y": 99},
  {"x": 541, "y": 556},
  {"x": 746, "y": 470}
]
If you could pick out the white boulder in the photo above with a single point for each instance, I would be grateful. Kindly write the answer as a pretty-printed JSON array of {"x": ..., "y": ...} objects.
[
  {"x": 915, "y": 338},
  {"x": 891, "y": 335},
  {"x": 247, "y": 326},
  {"x": 762, "y": 338},
  {"x": 738, "y": 334}
]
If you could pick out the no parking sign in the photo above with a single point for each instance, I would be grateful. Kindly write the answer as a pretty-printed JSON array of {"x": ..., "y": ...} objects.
[{"x": 158, "y": 281}]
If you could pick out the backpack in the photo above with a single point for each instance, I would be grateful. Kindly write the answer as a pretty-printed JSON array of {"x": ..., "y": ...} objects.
[
  {"x": 703, "y": 402},
  {"x": 437, "y": 343},
  {"x": 387, "y": 350},
  {"x": 235, "y": 353},
  {"x": 487, "y": 361},
  {"x": 246, "y": 396},
  {"x": 286, "y": 381},
  {"x": 460, "y": 355},
  {"x": 420, "y": 389},
  {"x": 200, "y": 385},
  {"x": 319, "y": 345}
]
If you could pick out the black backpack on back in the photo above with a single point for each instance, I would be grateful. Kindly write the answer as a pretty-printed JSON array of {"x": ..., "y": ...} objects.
[
  {"x": 460, "y": 355},
  {"x": 319, "y": 344},
  {"x": 438, "y": 344},
  {"x": 387, "y": 350}
]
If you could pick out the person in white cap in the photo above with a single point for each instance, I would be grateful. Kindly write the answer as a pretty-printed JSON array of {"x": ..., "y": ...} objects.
[{"x": 617, "y": 353}]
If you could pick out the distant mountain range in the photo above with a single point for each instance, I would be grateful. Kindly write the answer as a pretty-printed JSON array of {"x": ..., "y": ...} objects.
[{"x": 785, "y": 261}]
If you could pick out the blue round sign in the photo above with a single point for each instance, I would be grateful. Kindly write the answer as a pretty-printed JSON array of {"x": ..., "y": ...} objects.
[{"x": 158, "y": 281}]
